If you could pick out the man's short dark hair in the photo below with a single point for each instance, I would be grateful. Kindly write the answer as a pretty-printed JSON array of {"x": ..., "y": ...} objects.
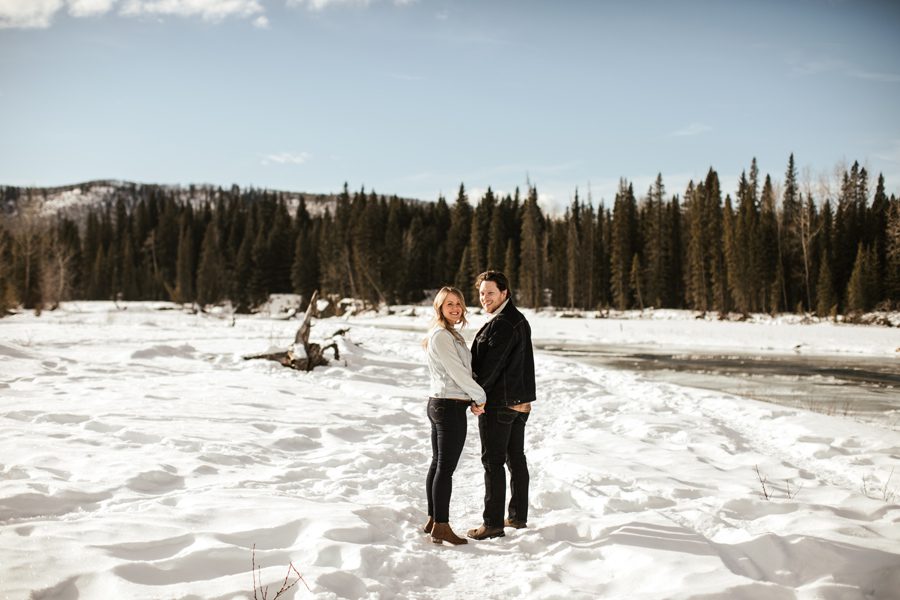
[{"x": 497, "y": 277}]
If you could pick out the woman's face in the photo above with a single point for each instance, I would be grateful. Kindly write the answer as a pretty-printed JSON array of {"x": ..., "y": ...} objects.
[{"x": 452, "y": 309}]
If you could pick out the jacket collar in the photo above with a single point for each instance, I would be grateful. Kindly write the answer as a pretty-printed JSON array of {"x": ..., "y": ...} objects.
[{"x": 499, "y": 310}]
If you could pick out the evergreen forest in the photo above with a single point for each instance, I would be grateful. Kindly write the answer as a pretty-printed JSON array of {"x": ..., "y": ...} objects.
[{"x": 766, "y": 248}]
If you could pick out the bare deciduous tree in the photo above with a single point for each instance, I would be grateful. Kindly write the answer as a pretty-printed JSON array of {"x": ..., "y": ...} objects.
[
  {"x": 26, "y": 231},
  {"x": 56, "y": 272}
]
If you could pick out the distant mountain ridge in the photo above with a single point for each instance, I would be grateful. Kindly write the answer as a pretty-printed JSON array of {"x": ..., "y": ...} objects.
[{"x": 75, "y": 200}]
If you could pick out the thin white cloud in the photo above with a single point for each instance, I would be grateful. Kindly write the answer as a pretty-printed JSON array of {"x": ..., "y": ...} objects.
[
  {"x": 286, "y": 158},
  {"x": 90, "y": 8},
  {"x": 691, "y": 130},
  {"x": 318, "y": 5},
  {"x": 31, "y": 14},
  {"x": 323, "y": 4},
  {"x": 210, "y": 10},
  {"x": 872, "y": 76},
  {"x": 842, "y": 67},
  {"x": 819, "y": 65},
  {"x": 28, "y": 14},
  {"x": 39, "y": 14}
]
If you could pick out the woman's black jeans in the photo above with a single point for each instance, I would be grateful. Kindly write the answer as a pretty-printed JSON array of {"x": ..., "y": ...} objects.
[{"x": 448, "y": 435}]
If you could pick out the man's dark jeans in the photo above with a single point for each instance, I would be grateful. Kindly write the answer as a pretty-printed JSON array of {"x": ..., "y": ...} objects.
[
  {"x": 448, "y": 435},
  {"x": 502, "y": 433}
]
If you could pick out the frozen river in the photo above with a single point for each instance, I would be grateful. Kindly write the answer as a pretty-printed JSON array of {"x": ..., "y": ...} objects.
[{"x": 866, "y": 388}]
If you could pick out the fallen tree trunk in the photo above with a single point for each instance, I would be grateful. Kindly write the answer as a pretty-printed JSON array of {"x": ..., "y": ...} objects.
[{"x": 303, "y": 355}]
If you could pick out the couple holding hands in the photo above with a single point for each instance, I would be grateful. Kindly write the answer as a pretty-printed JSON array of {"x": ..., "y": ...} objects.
[{"x": 496, "y": 381}]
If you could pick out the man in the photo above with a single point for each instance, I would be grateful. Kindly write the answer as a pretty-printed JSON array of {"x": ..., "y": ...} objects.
[{"x": 503, "y": 364}]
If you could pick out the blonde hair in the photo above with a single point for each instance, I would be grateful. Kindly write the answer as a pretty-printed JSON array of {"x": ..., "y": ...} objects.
[{"x": 439, "y": 320}]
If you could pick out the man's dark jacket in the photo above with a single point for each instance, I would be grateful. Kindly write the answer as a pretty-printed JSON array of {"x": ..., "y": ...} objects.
[{"x": 503, "y": 359}]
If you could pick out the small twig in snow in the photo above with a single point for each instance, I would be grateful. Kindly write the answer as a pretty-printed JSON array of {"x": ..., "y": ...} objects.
[
  {"x": 260, "y": 592},
  {"x": 792, "y": 495},
  {"x": 886, "y": 493},
  {"x": 762, "y": 482}
]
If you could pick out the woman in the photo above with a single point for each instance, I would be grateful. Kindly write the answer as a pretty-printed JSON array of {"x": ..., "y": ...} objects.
[{"x": 452, "y": 391}]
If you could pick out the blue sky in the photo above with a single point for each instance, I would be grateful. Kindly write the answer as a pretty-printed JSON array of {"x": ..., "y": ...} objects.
[{"x": 414, "y": 97}]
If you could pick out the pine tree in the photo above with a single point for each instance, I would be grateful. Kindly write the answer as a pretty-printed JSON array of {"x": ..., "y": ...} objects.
[
  {"x": 749, "y": 239},
  {"x": 826, "y": 300},
  {"x": 654, "y": 242},
  {"x": 280, "y": 249},
  {"x": 418, "y": 241},
  {"x": 511, "y": 265},
  {"x": 767, "y": 266},
  {"x": 809, "y": 230},
  {"x": 876, "y": 228},
  {"x": 98, "y": 286},
  {"x": 498, "y": 239},
  {"x": 675, "y": 270},
  {"x": 8, "y": 297},
  {"x": 244, "y": 267},
  {"x": 871, "y": 280},
  {"x": 184, "y": 272},
  {"x": 463, "y": 278},
  {"x": 791, "y": 236},
  {"x": 166, "y": 238},
  {"x": 623, "y": 244},
  {"x": 472, "y": 262},
  {"x": 479, "y": 232},
  {"x": 743, "y": 270},
  {"x": 260, "y": 282},
  {"x": 556, "y": 268},
  {"x": 892, "y": 253},
  {"x": 714, "y": 251},
  {"x": 211, "y": 276},
  {"x": 857, "y": 288},
  {"x": 587, "y": 266},
  {"x": 776, "y": 291},
  {"x": 367, "y": 241},
  {"x": 696, "y": 271},
  {"x": 848, "y": 228},
  {"x": 458, "y": 236},
  {"x": 736, "y": 278},
  {"x": 531, "y": 272},
  {"x": 574, "y": 254},
  {"x": 130, "y": 287},
  {"x": 393, "y": 268},
  {"x": 635, "y": 281}
]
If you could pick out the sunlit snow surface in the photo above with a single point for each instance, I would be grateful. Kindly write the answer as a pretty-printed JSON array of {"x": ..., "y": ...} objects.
[{"x": 142, "y": 457}]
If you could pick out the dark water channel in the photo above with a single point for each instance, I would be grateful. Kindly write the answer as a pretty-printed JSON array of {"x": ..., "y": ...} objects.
[{"x": 865, "y": 388}]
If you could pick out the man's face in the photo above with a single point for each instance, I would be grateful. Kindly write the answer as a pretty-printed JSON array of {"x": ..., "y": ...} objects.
[{"x": 490, "y": 295}]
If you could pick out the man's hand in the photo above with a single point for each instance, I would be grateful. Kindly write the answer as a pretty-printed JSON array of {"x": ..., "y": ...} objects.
[{"x": 477, "y": 409}]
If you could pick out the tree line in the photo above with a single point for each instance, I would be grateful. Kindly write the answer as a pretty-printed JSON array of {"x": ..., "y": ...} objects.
[{"x": 769, "y": 248}]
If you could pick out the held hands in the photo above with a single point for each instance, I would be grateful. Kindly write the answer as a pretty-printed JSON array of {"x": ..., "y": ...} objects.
[{"x": 477, "y": 409}]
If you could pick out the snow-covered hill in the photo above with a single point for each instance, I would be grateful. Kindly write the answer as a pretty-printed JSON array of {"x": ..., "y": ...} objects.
[{"x": 74, "y": 200}]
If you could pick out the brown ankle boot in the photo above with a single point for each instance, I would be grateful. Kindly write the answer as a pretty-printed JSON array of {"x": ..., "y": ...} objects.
[
  {"x": 441, "y": 532},
  {"x": 429, "y": 525},
  {"x": 483, "y": 532}
]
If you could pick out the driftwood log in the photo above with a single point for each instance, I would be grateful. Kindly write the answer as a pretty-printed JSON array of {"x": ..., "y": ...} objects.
[{"x": 303, "y": 355}]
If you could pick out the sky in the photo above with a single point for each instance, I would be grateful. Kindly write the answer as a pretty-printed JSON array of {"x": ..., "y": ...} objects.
[{"x": 415, "y": 97}]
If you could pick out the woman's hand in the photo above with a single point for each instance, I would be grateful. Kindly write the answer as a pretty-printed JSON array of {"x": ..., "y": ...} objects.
[{"x": 477, "y": 409}]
